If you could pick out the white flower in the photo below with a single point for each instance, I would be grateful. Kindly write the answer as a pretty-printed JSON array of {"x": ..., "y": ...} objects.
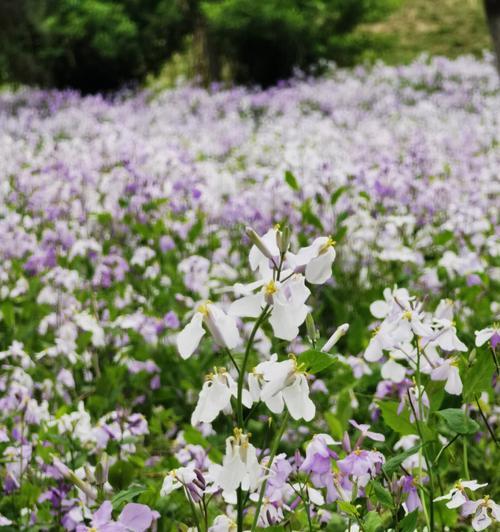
[
  {"x": 141, "y": 256},
  {"x": 88, "y": 323},
  {"x": 484, "y": 335},
  {"x": 446, "y": 338},
  {"x": 456, "y": 497},
  {"x": 315, "y": 260},
  {"x": 448, "y": 372},
  {"x": 393, "y": 299},
  {"x": 4, "y": 521},
  {"x": 284, "y": 383},
  {"x": 177, "y": 478},
  {"x": 222, "y": 523},
  {"x": 386, "y": 337},
  {"x": 222, "y": 327},
  {"x": 288, "y": 299},
  {"x": 240, "y": 466},
  {"x": 482, "y": 518},
  {"x": 215, "y": 396},
  {"x": 392, "y": 370}
]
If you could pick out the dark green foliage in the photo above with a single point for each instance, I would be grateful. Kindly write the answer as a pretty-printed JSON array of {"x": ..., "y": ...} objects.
[
  {"x": 264, "y": 41},
  {"x": 88, "y": 44}
]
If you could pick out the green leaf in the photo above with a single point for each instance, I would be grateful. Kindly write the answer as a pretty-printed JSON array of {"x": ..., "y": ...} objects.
[
  {"x": 126, "y": 496},
  {"x": 458, "y": 421},
  {"x": 316, "y": 361},
  {"x": 336, "y": 195},
  {"x": 393, "y": 463},
  {"x": 409, "y": 522},
  {"x": 334, "y": 425},
  {"x": 372, "y": 522},
  {"x": 399, "y": 422},
  {"x": 121, "y": 474},
  {"x": 382, "y": 495},
  {"x": 8, "y": 313},
  {"x": 347, "y": 507},
  {"x": 477, "y": 378},
  {"x": 291, "y": 180}
]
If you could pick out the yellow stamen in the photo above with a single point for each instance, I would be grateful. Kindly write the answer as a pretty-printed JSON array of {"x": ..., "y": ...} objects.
[
  {"x": 271, "y": 288},
  {"x": 327, "y": 245}
]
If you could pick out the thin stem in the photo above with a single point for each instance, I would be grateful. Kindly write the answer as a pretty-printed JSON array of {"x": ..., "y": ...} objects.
[
  {"x": 441, "y": 451},
  {"x": 241, "y": 375},
  {"x": 274, "y": 450},
  {"x": 495, "y": 360},
  {"x": 490, "y": 430}
]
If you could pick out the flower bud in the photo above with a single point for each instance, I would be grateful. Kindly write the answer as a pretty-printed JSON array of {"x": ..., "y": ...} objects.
[
  {"x": 335, "y": 337},
  {"x": 102, "y": 469},
  {"x": 257, "y": 241},
  {"x": 312, "y": 332},
  {"x": 283, "y": 239}
]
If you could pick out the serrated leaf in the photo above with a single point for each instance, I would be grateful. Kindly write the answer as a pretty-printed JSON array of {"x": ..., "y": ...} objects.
[
  {"x": 291, "y": 180},
  {"x": 126, "y": 496},
  {"x": 458, "y": 421},
  {"x": 409, "y": 522},
  {"x": 316, "y": 361},
  {"x": 372, "y": 522},
  {"x": 393, "y": 463}
]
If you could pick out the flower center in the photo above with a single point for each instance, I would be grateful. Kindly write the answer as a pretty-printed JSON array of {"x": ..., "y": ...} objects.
[
  {"x": 271, "y": 288},
  {"x": 327, "y": 245}
]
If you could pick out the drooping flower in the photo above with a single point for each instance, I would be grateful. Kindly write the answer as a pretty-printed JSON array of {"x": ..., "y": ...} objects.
[
  {"x": 240, "y": 466},
  {"x": 221, "y": 326},
  {"x": 215, "y": 396},
  {"x": 188, "y": 478},
  {"x": 285, "y": 383},
  {"x": 448, "y": 371},
  {"x": 315, "y": 261}
]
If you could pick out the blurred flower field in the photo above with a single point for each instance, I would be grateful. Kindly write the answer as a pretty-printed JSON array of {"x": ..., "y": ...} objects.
[{"x": 237, "y": 309}]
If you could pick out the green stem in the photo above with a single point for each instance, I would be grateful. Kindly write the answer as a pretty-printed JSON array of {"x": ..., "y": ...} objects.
[
  {"x": 424, "y": 451},
  {"x": 274, "y": 450},
  {"x": 490, "y": 430},
  {"x": 241, "y": 374}
]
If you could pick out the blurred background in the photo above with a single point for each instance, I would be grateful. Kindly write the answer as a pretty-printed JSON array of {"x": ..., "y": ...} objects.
[{"x": 103, "y": 45}]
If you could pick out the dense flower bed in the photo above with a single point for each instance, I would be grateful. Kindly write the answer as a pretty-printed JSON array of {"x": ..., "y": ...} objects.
[{"x": 335, "y": 366}]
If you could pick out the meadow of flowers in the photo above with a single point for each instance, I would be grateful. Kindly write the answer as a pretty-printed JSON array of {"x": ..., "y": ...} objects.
[{"x": 231, "y": 310}]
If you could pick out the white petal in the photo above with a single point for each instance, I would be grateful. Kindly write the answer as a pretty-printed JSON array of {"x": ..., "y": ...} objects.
[
  {"x": 213, "y": 398},
  {"x": 393, "y": 371},
  {"x": 457, "y": 499},
  {"x": 248, "y": 306},
  {"x": 297, "y": 400},
  {"x": 283, "y": 323},
  {"x": 319, "y": 270},
  {"x": 483, "y": 336},
  {"x": 374, "y": 350},
  {"x": 379, "y": 309},
  {"x": 189, "y": 338},
  {"x": 481, "y": 520},
  {"x": 454, "y": 383}
]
